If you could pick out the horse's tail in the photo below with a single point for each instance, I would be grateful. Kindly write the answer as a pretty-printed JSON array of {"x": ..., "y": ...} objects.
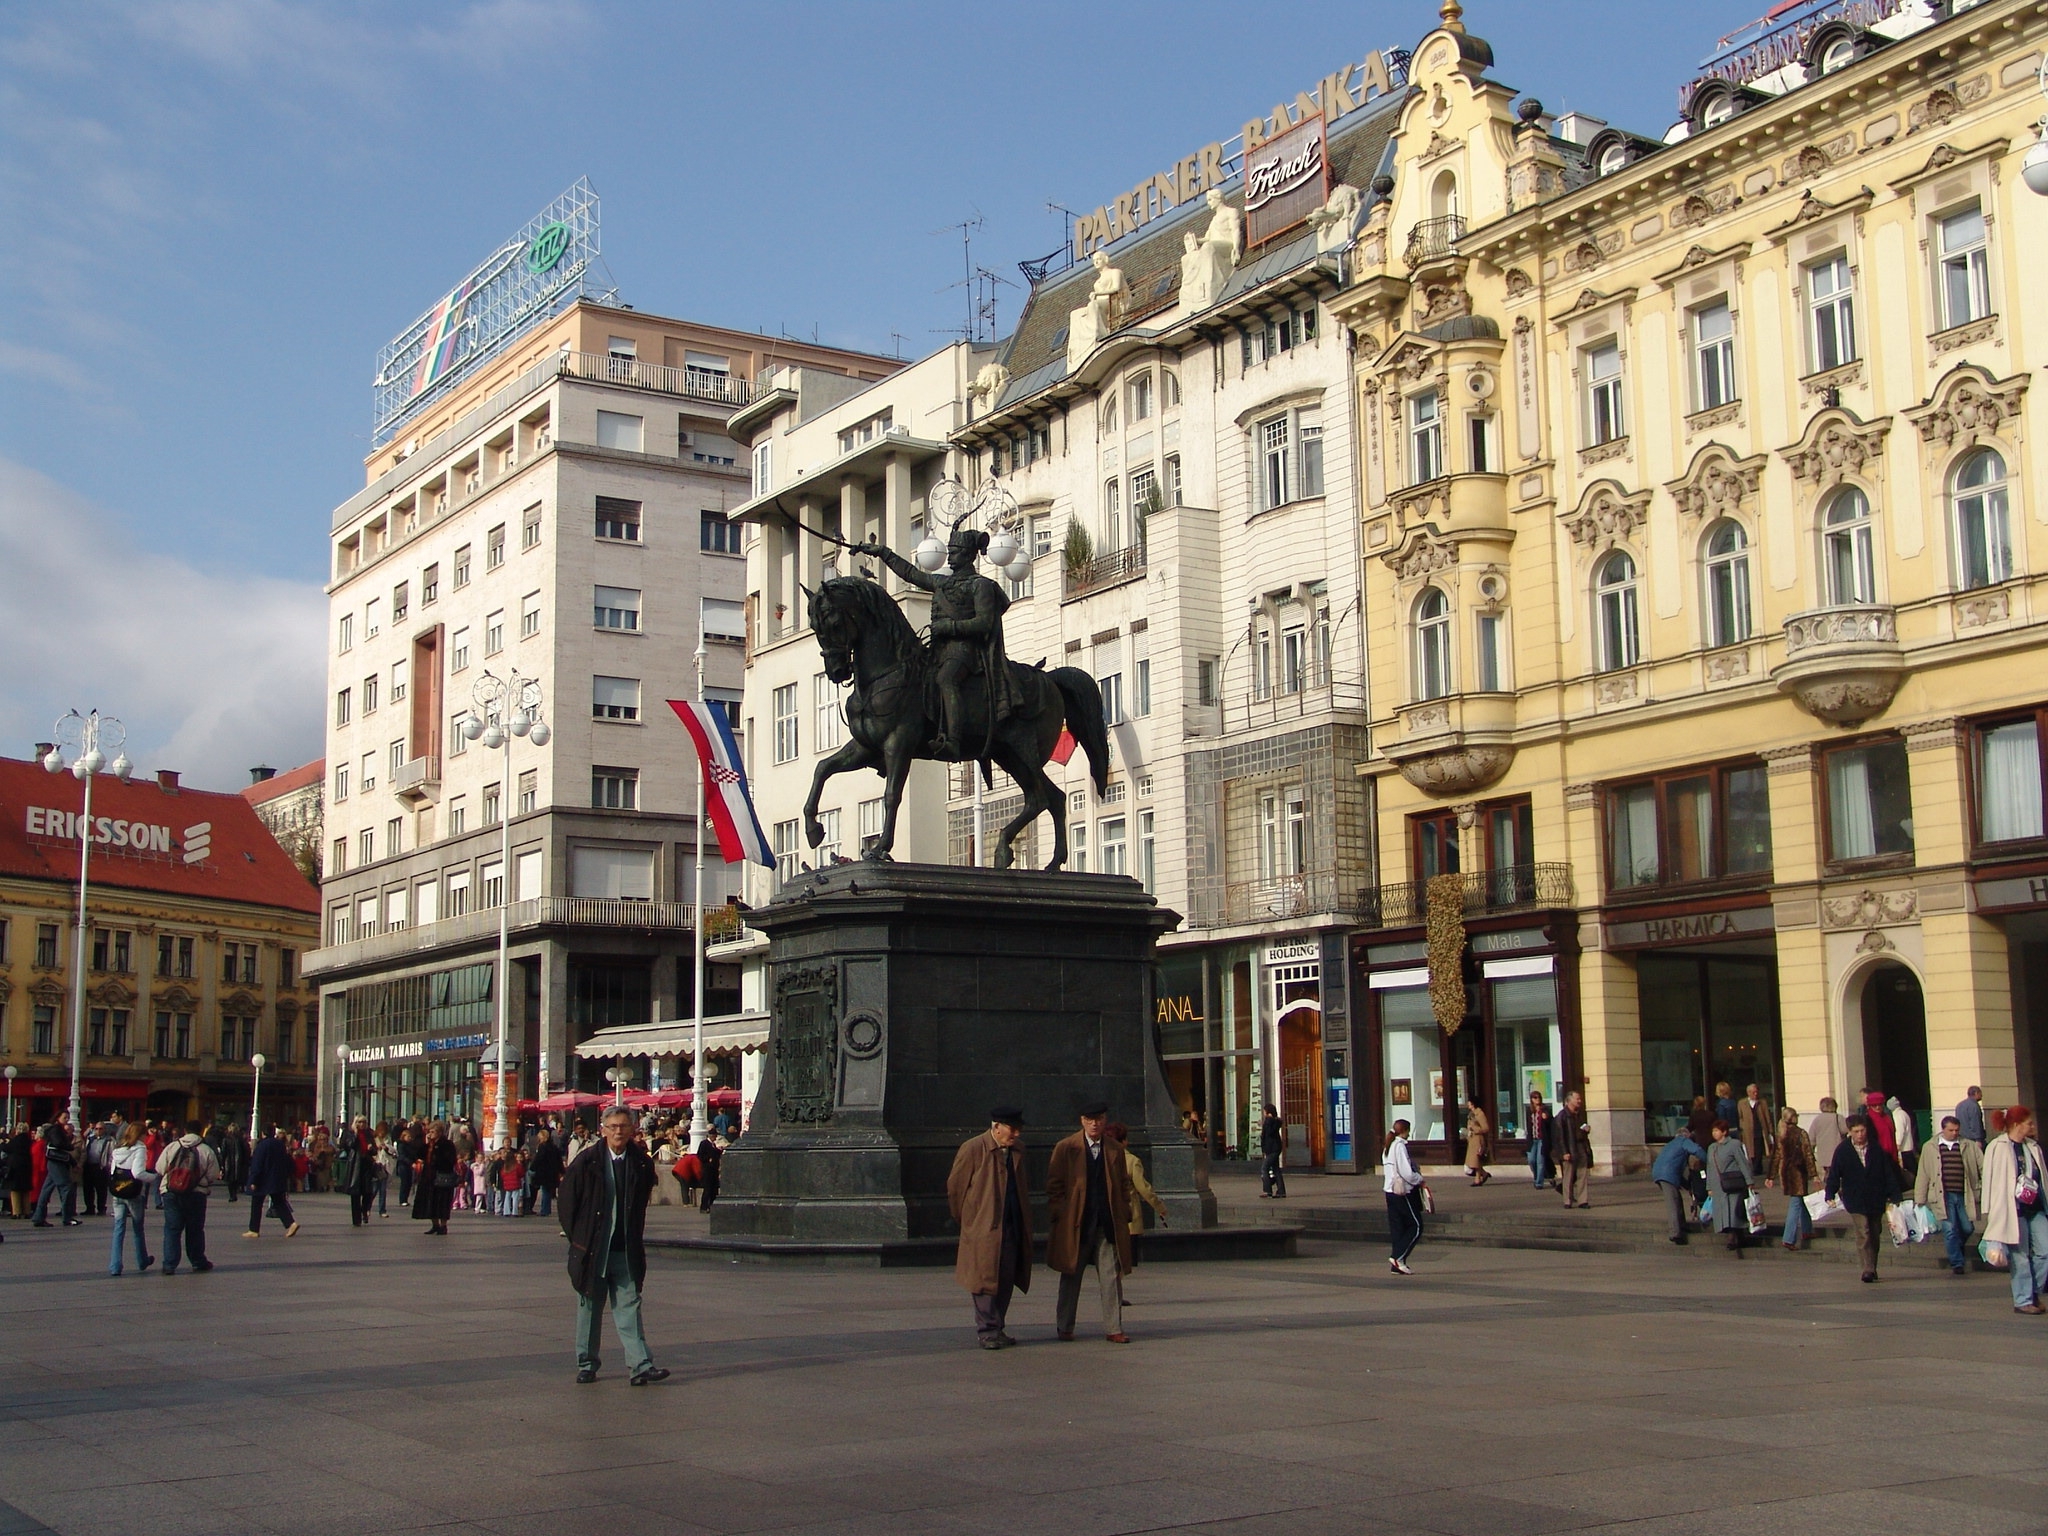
[{"x": 1084, "y": 719}]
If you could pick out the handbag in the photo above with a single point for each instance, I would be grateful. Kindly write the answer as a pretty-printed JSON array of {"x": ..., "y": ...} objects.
[
  {"x": 444, "y": 1180},
  {"x": 1732, "y": 1182},
  {"x": 127, "y": 1186}
]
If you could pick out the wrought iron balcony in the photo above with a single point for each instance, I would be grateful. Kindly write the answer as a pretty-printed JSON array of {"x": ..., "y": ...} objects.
[
  {"x": 1433, "y": 239},
  {"x": 1310, "y": 894},
  {"x": 697, "y": 383},
  {"x": 1110, "y": 570},
  {"x": 1517, "y": 888}
]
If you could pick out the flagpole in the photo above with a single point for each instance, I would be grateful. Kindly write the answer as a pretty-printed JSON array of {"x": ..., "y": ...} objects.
[{"x": 700, "y": 1123}]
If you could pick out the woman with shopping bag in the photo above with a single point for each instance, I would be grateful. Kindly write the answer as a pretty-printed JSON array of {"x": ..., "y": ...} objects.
[
  {"x": 2015, "y": 1211},
  {"x": 1729, "y": 1176},
  {"x": 1795, "y": 1172}
]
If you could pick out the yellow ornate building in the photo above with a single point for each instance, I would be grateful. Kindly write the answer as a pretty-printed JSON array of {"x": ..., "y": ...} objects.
[{"x": 1708, "y": 545}]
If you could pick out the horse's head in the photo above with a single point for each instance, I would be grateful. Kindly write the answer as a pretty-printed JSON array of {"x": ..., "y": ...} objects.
[{"x": 837, "y": 626}]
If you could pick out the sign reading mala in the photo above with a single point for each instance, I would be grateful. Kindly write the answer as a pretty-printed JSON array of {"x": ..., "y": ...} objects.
[{"x": 1445, "y": 915}]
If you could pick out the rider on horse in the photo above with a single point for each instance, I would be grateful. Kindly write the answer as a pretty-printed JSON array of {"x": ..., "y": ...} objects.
[{"x": 966, "y": 639}]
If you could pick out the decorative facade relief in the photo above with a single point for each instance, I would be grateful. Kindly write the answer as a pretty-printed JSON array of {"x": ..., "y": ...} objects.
[
  {"x": 1457, "y": 770},
  {"x": 1968, "y": 406},
  {"x": 1869, "y": 909},
  {"x": 1837, "y": 444},
  {"x": 1840, "y": 626},
  {"x": 1607, "y": 515},
  {"x": 1425, "y": 554},
  {"x": 1726, "y": 666},
  {"x": 1616, "y": 688},
  {"x": 1983, "y": 608},
  {"x": 1717, "y": 484}
]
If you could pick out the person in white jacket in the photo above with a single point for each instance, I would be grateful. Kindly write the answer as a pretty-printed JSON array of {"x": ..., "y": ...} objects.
[
  {"x": 2016, "y": 1206},
  {"x": 131, "y": 1163},
  {"x": 1404, "y": 1198}
]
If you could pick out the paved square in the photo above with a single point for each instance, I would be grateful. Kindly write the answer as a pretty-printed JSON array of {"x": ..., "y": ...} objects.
[{"x": 382, "y": 1381}]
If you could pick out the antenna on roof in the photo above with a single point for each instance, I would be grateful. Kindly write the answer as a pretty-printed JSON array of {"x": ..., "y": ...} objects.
[{"x": 978, "y": 281}]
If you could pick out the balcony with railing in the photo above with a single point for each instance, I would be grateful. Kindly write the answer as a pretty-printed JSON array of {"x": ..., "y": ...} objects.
[
  {"x": 1516, "y": 888},
  {"x": 1435, "y": 239},
  {"x": 1103, "y": 571},
  {"x": 482, "y": 924},
  {"x": 1292, "y": 898},
  {"x": 1293, "y": 694},
  {"x": 1842, "y": 664},
  {"x": 695, "y": 383}
]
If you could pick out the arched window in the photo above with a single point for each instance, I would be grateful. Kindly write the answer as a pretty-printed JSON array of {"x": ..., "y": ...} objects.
[
  {"x": 1613, "y": 158},
  {"x": 1141, "y": 397},
  {"x": 1615, "y": 593},
  {"x": 1728, "y": 609},
  {"x": 1983, "y": 538},
  {"x": 1432, "y": 645},
  {"x": 1719, "y": 109},
  {"x": 1846, "y": 552},
  {"x": 1169, "y": 388},
  {"x": 1443, "y": 196},
  {"x": 1837, "y": 55}
]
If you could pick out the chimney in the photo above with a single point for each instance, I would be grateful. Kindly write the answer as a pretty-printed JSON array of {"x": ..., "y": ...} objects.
[
  {"x": 167, "y": 780},
  {"x": 259, "y": 775}
]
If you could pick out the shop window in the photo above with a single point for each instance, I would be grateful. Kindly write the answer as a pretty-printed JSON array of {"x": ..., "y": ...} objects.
[
  {"x": 1528, "y": 1048},
  {"x": 1411, "y": 1057},
  {"x": 1870, "y": 803},
  {"x": 1433, "y": 677},
  {"x": 1703, "y": 824},
  {"x": 1729, "y": 617},
  {"x": 2008, "y": 764},
  {"x": 1619, "y": 630},
  {"x": 1704, "y": 1020},
  {"x": 1830, "y": 314},
  {"x": 1977, "y": 495}
]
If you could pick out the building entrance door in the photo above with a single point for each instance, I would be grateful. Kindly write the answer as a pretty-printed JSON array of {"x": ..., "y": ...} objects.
[
  {"x": 1895, "y": 1040},
  {"x": 1466, "y": 1051},
  {"x": 1301, "y": 1081}
]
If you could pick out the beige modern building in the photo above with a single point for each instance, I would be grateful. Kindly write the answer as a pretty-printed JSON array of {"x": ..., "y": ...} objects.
[
  {"x": 560, "y": 516},
  {"x": 292, "y": 805},
  {"x": 1705, "y": 540}
]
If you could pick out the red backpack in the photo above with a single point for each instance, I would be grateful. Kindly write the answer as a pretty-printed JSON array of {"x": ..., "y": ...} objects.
[{"x": 184, "y": 1172}]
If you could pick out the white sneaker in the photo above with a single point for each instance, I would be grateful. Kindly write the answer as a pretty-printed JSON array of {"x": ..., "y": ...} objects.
[{"x": 1400, "y": 1268}]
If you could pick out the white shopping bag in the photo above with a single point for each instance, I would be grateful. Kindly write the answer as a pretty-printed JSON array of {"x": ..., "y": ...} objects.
[
  {"x": 1820, "y": 1208},
  {"x": 1756, "y": 1213}
]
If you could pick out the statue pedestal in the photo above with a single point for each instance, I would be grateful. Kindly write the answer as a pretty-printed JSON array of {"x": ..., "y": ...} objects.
[{"x": 908, "y": 999}]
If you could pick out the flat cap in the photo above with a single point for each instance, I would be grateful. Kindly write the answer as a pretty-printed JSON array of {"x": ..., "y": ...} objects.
[
  {"x": 1094, "y": 1108},
  {"x": 1004, "y": 1114}
]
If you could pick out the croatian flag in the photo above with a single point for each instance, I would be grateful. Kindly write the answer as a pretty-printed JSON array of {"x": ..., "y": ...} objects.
[{"x": 726, "y": 800}]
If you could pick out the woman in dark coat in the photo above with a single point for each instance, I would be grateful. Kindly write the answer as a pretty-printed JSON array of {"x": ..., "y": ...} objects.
[
  {"x": 708, "y": 1157},
  {"x": 20, "y": 1166},
  {"x": 355, "y": 1171},
  {"x": 433, "y": 1194}
]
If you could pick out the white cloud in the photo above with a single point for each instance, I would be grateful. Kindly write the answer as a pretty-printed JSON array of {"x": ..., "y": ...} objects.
[{"x": 212, "y": 672}]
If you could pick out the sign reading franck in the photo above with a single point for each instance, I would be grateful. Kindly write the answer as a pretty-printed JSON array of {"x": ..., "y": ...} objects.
[{"x": 1285, "y": 180}]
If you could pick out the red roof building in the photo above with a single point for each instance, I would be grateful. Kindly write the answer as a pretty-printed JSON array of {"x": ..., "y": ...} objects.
[{"x": 197, "y": 922}]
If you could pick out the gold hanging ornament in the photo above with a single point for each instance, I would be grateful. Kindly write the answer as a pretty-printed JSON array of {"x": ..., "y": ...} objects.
[{"x": 1444, "y": 910}]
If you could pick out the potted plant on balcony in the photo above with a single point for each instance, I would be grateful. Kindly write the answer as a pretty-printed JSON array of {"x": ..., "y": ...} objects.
[{"x": 1078, "y": 554}]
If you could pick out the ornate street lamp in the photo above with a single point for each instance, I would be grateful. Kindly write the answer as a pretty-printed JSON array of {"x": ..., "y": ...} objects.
[
  {"x": 88, "y": 739},
  {"x": 503, "y": 708},
  {"x": 255, "y": 1094}
]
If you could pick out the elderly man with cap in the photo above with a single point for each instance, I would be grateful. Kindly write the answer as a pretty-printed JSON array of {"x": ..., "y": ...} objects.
[
  {"x": 991, "y": 1201},
  {"x": 1088, "y": 1203}
]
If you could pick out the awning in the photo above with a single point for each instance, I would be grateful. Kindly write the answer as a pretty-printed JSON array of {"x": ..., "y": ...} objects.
[
  {"x": 88, "y": 1087},
  {"x": 677, "y": 1037}
]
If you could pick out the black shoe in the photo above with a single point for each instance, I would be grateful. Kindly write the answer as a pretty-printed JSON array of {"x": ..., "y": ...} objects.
[
  {"x": 1681, "y": 1239},
  {"x": 1004, "y": 1341},
  {"x": 202, "y": 1266},
  {"x": 39, "y": 1223},
  {"x": 586, "y": 1375},
  {"x": 990, "y": 1341},
  {"x": 652, "y": 1374}
]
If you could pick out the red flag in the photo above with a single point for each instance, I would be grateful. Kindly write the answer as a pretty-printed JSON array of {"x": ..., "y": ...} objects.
[{"x": 1063, "y": 749}]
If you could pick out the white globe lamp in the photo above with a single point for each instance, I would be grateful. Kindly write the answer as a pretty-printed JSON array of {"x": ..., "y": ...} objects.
[
  {"x": 1002, "y": 548},
  {"x": 930, "y": 554},
  {"x": 2034, "y": 169}
]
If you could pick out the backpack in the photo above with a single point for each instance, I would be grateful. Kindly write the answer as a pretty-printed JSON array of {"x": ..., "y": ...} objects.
[{"x": 184, "y": 1174}]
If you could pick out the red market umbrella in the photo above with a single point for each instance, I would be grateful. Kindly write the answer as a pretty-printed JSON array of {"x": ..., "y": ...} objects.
[{"x": 568, "y": 1101}]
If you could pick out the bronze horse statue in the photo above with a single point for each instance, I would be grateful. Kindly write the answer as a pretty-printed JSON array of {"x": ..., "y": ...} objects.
[{"x": 891, "y": 716}]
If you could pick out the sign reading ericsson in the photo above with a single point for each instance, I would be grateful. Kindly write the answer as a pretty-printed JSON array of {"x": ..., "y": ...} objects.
[{"x": 112, "y": 832}]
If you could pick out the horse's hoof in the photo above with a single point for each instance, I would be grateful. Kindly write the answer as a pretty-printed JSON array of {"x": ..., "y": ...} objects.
[
  {"x": 877, "y": 856},
  {"x": 1005, "y": 859}
]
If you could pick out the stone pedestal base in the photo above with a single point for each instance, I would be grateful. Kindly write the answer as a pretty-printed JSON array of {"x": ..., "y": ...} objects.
[{"x": 907, "y": 1000}]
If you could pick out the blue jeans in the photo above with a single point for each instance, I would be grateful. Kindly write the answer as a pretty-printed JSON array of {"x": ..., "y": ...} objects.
[
  {"x": 1797, "y": 1222},
  {"x": 1955, "y": 1228},
  {"x": 625, "y": 1300},
  {"x": 1539, "y": 1163},
  {"x": 128, "y": 1218},
  {"x": 543, "y": 1200},
  {"x": 2029, "y": 1258},
  {"x": 55, "y": 1183}
]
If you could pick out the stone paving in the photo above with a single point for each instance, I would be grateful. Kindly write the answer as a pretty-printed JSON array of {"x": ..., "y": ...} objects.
[{"x": 385, "y": 1381}]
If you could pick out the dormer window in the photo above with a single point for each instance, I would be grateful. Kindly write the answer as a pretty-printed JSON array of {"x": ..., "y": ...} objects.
[
  {"x": 1613, "y": 158},
  {"x": 1837, "y": 55}
]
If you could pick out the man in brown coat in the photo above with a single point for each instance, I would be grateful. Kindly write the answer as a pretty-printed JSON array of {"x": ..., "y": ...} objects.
[
  {"x": 1088, "y": 1202},
  {"x": 991, "y": 1202},
  {"x": 1756, "y": 1121}
]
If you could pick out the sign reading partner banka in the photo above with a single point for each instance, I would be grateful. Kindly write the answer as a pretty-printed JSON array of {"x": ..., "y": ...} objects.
[{"x": 1212, "y": 166}]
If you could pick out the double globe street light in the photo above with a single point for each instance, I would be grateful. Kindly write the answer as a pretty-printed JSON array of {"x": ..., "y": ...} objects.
[
  {"x": 87, "y": 739},
  {"x": 503, "y": 708}
]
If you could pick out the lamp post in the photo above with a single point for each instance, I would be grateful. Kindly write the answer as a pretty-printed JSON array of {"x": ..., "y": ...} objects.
[
  {"x": 502, "y": 708},
  {"x": 10, "y": 1099},
  {"x": 89, "y": 738},
  {"x": 618, "y": 1077},
  {"x": 2034, "y": 167},
  {"x": 340, "y": 1084},
  {"x": 255, "y": 1095}
]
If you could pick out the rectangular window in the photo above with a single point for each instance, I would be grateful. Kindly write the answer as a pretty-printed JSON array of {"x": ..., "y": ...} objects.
[
  {"x": 1965, "y": 268},
  {"x": 345, "y": 632},
  {"x": 717, "y": 536},
  {"x": 1702, "y": 824},
  {"x": 458, "y": 816},
  {"x": 401, "y": 603},
  {"x": 96, "y": 1032},
  {"x": 1632, "y": 852},
  {"x": 1040, "y": 530},
  {"x": 1148, "y": 852},
  {"x": 1308, "y": 426},
  {"x": 287, "y": 969},
  {"x": 458, "y": 893},
  {"x": 828, "y": 845},
  {"x": 370, "y": 694},
  {"x": 430, "y": 585},
  {"x": 1112, "y": 515},
  {"x": 869, "y": 817},
  {"x": 1113, "y": 847},
  {"x": 1425, "y": 438},
  {"x": 529, "y": 528},
  {"x": 372, "y": 627},
  {"x": 1141, "y": 692},
  {"x": 529, "y": 791},
  {"x": 616, "y": 608},
  {"x": 1870, "y": 802},
  {"x": 615, "y": 789},
  {"x": 458, "y": 650},
  {"x": 1112, "y": 687},
  {"x": 118, "y": 1044},
  {"x": 1830, "y": 314},
  {"x": 342, "y": 711},
  {"x": 830, "y": 713},
  {"x": 615, "y": 698},
  {"x": 617, "y": 430},
  {"x": 762, "y": 466},
  {"x": 1209, "y": 680},
  {"x": 369, "y": 771},
  {"x": 788, "y": 843},
  {"x": 337, "y": 862},
  {"x": 1173, "y": 492},
  {"x": 1713, "y": 352},
  {"x": 398, "y": 677},
  {"x": 494, "y": 548},
  {"x": 43, "y": 1030},
  {"x": 462, "y": 567},
  {"x": 491, "y": 886},
  {"x": 1604, "y": 419},
  {"x": 163, "y": 1019},
  {"x": 1273, "y": 463},
  {"x": 1077, "y": 847},
  {"x": 1481, "y": 430},
  {"x": 493, "y": 803},
  {"x": 181, "y": 1036},
  {"x": 1489, "y": 657},
  {"x": 2009, "y": 781},
  {"x": 366, "y": 846},
  {"x": 46, "y": 946},
  {"x": 529, "y": 616},
  {"x": 187, "y": 958},
  {"x": 784, "y": 714},
  {"x": 618, "y": 518}
]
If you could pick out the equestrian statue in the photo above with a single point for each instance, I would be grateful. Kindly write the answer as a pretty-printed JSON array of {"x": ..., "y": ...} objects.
[{"x": 957, "y": 699}]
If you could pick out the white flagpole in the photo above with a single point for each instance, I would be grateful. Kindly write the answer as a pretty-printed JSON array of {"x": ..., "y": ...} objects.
[{"x": 700, "y": 1119}]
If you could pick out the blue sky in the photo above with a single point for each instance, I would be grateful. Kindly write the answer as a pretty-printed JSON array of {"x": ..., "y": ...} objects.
[{"x": 219, "y": 209}]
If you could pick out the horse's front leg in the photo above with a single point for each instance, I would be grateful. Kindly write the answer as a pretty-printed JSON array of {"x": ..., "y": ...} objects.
[
  {"x": 849, "y": 757},
  {"x": 898, "y": 753}
]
